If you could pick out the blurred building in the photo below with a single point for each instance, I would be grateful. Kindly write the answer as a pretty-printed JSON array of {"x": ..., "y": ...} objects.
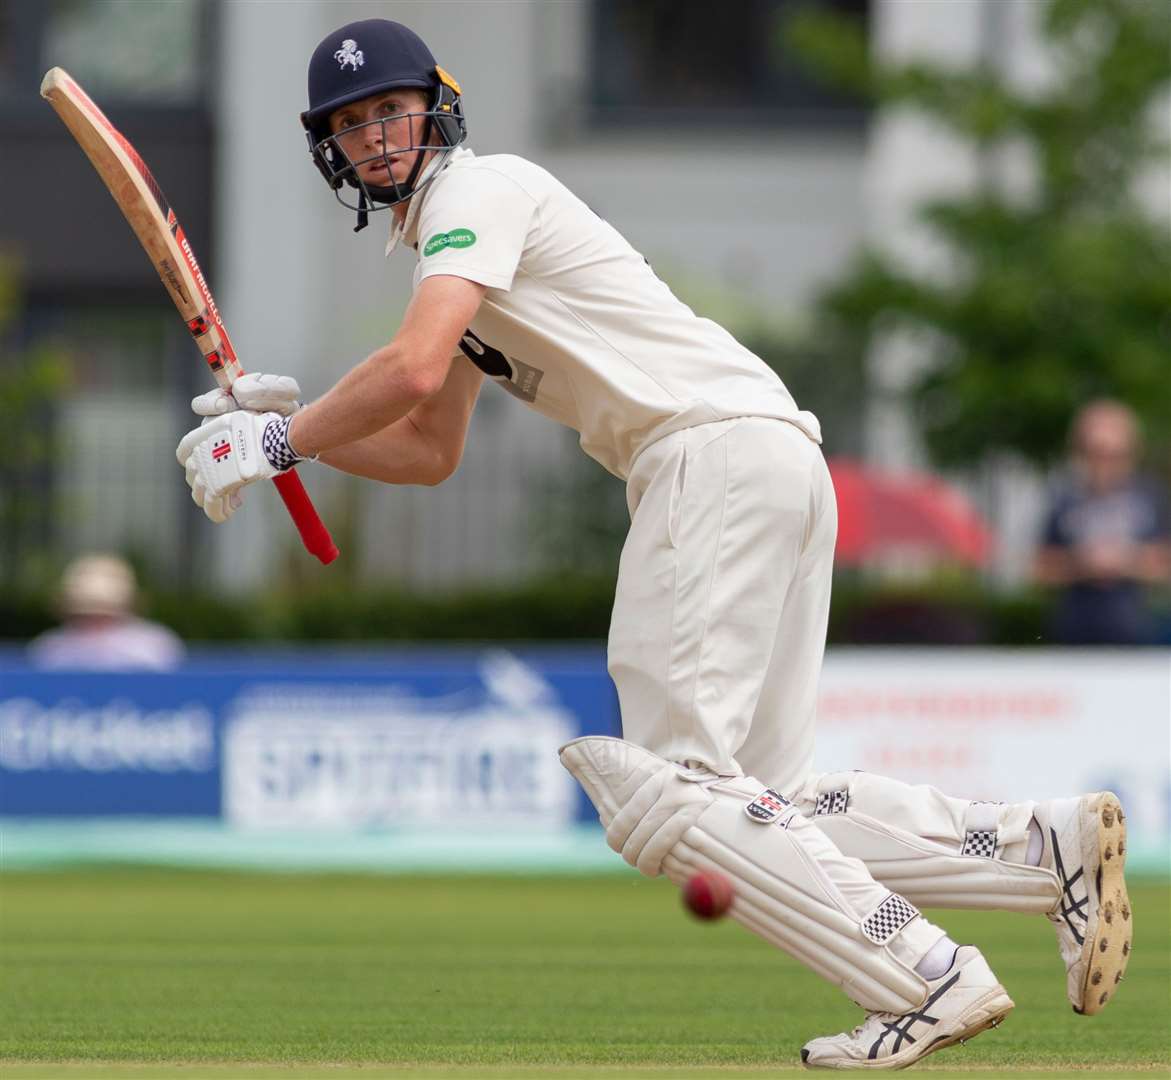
[
  {"x": 83, "y": 286},
  {"x": 695, "y": 136}
]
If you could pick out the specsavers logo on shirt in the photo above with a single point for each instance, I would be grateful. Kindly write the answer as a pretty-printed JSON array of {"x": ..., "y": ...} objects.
[{"x": 457, "y": 238}]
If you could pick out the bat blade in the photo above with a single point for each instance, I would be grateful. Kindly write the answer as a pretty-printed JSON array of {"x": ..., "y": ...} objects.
[{"x": 146, "y": 209}]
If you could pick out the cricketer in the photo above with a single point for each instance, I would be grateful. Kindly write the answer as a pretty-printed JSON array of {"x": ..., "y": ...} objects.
[{"x": 723, "y": 591}]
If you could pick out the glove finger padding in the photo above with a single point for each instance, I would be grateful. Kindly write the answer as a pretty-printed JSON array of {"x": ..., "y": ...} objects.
[
  {"x": 218, "y": 509},
  {"x": 194, "y": 482},
  {"x": 214, "y": 403},
  {"x": 256, "y": 393},
  {"x": 267, "y": 393},
  {"x": 222, "y": 508},
  {"x": 224, "y": 453}
]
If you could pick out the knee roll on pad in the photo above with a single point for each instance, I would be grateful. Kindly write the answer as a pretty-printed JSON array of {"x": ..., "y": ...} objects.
[
  {"x": 644, "y": 802},
  {"x": 935, "y": 850},
  {"x": 663, "y": 818},
  {"x": 659, "y": 812}
]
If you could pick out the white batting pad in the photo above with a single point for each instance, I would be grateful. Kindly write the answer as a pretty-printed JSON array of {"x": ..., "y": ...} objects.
[
  {"x": 792, "y": 886},
  {"x": 935, "y": 850}
]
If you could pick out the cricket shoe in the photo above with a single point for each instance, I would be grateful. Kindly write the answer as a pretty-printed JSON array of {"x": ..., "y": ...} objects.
[
  {"x": 1085, "y": 846},
  {"x": 962, "y": 1002}
]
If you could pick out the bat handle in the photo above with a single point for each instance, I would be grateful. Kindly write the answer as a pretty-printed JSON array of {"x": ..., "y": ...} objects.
[{"x": 313, "y": 532}]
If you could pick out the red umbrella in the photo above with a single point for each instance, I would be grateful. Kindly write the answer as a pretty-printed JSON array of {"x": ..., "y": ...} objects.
[{"x": 882, "y": 512}]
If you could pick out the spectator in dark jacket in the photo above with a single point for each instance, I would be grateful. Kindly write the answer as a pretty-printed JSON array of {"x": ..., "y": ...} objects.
[{"x": 1107, "y": 536}]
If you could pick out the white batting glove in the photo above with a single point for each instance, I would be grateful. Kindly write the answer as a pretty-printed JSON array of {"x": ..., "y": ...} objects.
[
  {"x": 219, "y": 510},
  {"x": 226, "y": 453},
  {"x": 257, "y": 393}
]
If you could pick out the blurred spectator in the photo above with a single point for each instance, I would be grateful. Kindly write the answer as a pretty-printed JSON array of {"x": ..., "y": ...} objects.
[
  {"x": 1107, "y": 536},
  {"x": 100, "y": 630}
]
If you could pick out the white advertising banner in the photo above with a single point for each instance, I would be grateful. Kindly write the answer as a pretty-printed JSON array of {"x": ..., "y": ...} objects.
[
  {"x": 1008, "y": 726},
  {"x": 359, "y": 757}
]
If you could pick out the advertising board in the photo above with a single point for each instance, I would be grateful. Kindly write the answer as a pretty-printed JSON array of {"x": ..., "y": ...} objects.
[{"x": 464, "y": 741}]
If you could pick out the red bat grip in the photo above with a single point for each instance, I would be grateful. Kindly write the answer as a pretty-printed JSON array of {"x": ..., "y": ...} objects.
[{"x": 313, "y": 531}]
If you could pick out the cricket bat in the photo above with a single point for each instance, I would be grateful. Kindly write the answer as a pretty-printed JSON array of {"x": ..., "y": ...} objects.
[{"x": 145, "y": 206}]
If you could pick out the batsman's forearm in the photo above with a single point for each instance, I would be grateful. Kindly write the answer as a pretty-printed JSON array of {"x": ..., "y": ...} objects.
[
  {"x": 398, "y": 454},
  {"x": 377, "y": 393}
]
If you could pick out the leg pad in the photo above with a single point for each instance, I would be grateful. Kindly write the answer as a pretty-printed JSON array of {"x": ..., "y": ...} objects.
[{"x": 792, "y": 887}]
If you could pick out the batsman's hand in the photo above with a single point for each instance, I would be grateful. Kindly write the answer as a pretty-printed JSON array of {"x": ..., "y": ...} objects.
[
  {"x": 257, "y": 393},
  {"x": 226, "y": 453}
]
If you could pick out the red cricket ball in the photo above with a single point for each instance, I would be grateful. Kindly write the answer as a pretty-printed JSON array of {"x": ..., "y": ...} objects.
[{"x": 708, "y": 894}]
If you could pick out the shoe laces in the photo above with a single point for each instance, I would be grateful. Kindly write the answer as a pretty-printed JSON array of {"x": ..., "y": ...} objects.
[{"x": 873, "y": 1018}]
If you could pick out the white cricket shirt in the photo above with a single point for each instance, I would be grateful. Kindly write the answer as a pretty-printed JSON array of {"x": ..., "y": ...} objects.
[{"x": 575, "y": 323}]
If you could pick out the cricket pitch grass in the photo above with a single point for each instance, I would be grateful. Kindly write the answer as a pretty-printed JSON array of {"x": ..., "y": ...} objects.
[{"x": 140, "y": 974}]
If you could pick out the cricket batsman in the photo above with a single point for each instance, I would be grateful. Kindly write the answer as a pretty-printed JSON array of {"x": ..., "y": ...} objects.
[{"x": 719, "y": 619}]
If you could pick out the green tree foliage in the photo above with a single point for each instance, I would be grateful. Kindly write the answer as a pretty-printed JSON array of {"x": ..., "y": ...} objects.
[
  {"x": 30, "y": 379},
  {"x": 1059, "y": 294}
]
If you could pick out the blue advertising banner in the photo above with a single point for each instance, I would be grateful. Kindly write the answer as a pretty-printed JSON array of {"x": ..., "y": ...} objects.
[
  {"x": 404, "y": 739},
  {"x": 447, "y": 758}
]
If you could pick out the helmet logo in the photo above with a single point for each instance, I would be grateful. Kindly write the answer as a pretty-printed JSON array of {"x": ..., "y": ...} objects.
[{"x": 349, "y": 54}]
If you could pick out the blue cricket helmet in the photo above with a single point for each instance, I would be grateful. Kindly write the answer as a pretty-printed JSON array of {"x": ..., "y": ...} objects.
[{"x": 370, "y": 57}]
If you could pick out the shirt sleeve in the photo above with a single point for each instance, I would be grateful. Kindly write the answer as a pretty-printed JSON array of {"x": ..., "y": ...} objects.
[{"x": 475, "y": 226}]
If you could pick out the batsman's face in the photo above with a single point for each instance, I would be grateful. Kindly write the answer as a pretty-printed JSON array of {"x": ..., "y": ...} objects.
[{"x": 377, "y": 134}]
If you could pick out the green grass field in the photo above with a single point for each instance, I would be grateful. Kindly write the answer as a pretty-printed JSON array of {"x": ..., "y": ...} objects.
[{"x": 153, "y": 973}]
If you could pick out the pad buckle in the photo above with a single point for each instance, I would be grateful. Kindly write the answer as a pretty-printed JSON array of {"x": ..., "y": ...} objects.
[{"x": 888, "y": 919}]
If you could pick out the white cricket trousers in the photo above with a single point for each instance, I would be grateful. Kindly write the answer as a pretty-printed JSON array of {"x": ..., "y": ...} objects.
[
  {"x": 716, "y": 646},
  {"x": 718, "y": 631}
]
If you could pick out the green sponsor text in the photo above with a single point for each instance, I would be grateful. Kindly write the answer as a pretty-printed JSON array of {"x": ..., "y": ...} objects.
[{"x": 456, "y": 238}]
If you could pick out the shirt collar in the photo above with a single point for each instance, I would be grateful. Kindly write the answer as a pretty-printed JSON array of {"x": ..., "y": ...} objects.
[{"x": 407, "y": 232}]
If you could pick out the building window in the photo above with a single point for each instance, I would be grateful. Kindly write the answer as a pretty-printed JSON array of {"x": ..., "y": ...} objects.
[
  {"x": 153, "y": 53},
  {"x": 126, "y": 50},
  {"x": 681, "y": 62}
]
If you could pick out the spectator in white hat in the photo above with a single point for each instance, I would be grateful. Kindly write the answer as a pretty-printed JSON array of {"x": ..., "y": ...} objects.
[{"x": 100, "y": 631}]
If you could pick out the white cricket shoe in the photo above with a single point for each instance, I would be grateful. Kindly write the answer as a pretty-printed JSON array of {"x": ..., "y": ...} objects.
[
  {"x": 964, "y": 1001},
  {"x": 1085, "y": 846}
]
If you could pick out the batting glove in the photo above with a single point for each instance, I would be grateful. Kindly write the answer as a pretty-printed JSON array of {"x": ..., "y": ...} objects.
[
  {"x": 257, "y": 393},
  {"x": 226, "y": 453}
]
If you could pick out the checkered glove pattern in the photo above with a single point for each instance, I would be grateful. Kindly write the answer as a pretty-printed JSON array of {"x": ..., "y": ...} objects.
[{"x": 281, "y": 456}]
